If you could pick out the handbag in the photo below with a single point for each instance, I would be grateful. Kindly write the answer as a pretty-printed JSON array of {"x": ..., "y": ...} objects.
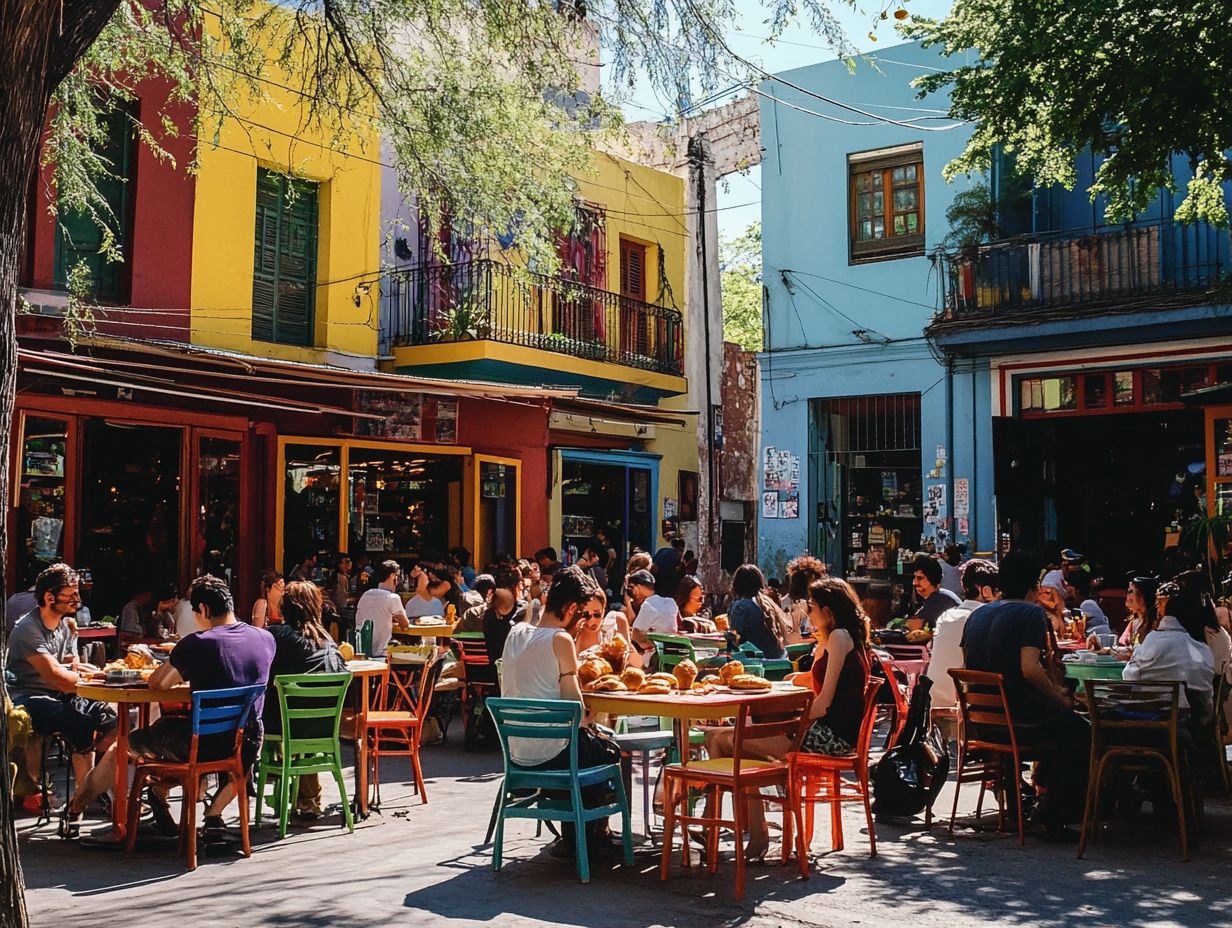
[{"x": 910, "y": 775}]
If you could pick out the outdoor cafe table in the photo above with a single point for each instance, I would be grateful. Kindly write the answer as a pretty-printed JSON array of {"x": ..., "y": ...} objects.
[
  {"x": 682, "y": 707},
  {"x": 125, "y": 696},
  {"x": 428, "y": 631}
]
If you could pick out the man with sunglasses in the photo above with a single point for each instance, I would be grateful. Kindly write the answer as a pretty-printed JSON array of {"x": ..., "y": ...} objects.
[{"x": 44, "y": 667}]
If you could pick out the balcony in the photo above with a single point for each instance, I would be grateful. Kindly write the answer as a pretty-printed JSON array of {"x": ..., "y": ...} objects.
[
  {"x": 485, "y": 300},
  {"x": 1154, "y": 264}
]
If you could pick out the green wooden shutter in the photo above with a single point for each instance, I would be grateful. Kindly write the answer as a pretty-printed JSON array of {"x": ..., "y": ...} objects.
[{"x": 284, "y": 259}]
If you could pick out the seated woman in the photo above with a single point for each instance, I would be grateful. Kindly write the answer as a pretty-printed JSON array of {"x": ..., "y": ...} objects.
[
  {"x": 598, "y": 626},
  {"x": 1140, "y": 604},
  {"x": 839, "y": 674},
  {"x": 1051, "y": 598},
  {"x": 301, "y": 645},
  {"x": 691, "y": 599},
  {"x": 755, "y": 615}
]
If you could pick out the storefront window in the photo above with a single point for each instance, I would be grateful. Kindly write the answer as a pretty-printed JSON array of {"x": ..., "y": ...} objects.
[
  {"x": 218, "y": 495},
  {"x": 1123, "y": 388},
  {"x": 498, "y": 511},
  {"x": 40, "y": 510},
  {"x": 1059, "y": 393},
  {"x": 610, "y": 503},
  {"x": 130, "y": 510},
  {"x": 403, "y": 504},
  {"x": 313, "y": 500},
  {"x": 1095, "y": 391}
]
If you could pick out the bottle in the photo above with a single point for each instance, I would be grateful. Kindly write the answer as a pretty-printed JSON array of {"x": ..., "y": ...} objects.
[
  {"x": 451, "y": 614},
  {"x": 365, "y": 635}
]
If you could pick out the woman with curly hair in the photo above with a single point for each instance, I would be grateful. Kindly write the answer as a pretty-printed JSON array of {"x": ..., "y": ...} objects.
[{"x": 802, "y": 572}]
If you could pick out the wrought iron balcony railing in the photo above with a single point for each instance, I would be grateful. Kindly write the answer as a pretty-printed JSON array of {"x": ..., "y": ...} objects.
[
  {"x": 485, "y": 299},
  {"x": 1156, "y": 261}
]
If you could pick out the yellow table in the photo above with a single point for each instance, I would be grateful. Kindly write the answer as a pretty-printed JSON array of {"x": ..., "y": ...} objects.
[
  {"x": 427, "y": 631},
  {"x": 365, "y": 671}
]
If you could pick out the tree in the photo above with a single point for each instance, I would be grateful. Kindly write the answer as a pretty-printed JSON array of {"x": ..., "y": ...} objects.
[
  {"x": 740, "y": 276},
  {"x": 1136, "y": 81},
  {"x": 463, "y": 92}
]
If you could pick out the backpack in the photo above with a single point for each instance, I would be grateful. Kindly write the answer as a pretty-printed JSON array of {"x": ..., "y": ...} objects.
[{"x": 910, "y": 775}]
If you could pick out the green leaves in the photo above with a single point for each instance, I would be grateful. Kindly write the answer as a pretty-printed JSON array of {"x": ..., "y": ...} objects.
[
  {"x": 740, "y": 270},
  {"x": 1140, "y": 83}
]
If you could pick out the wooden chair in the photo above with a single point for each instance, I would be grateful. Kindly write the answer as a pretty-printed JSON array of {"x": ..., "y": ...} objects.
[
  {"x": 1220, "y": 726},
  {"x": 387, "y": 725},
  {"x": 214, "y": 712},
  {"x": 987, "y": 728},
  {"x": 1135, "y": 724},
  {"x": 742, "y": 777},
  {"x": 818, "y": 778},
  {"x": 480, "y": 681}
]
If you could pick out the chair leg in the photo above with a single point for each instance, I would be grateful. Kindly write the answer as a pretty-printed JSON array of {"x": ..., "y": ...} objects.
[
  {"x": 284, "y": 799},
  {"x": 836, "y": 810},
  {"x": 868, "y": 815},
  {"x": 496, "y": 810},
  {"x": 418, "y": 771},
  {"x": 499, "y": 837},
  {"x": 1179, "y": 802},
  {"x": 788, "y": 821},
  {"x": 669, "y": 827},
  {"x": 579, "y": 836},
  {"x": 739, "y": 814},
  {"x": 1022, "y": 826},
  {"x": 262, "y": 776},
  {"x": 241, "y": 797},
  {"x": 190, "y": 819},
  {"x": 796, "y": 795},
  {"x": 347, "y": 818},
  {"x": 134, "y": 815},
  {"x": 1092, "y": 798},
  {"x": 626, "y": 819},
  {"x": 962, "y": 756},
  {"x": 714, "y": 810},
  {"x": 646, "y": 793}
]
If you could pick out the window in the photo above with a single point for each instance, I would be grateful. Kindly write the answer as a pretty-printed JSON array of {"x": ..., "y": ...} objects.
[
  {"x": 284, "y": 259},
  {"x": 887, "y": 203},
  {"x": 633, "y": 269},
  {"x": 80, "y": 237}
]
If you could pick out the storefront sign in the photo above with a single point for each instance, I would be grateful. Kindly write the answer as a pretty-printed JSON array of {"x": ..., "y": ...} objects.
[{"x": 409, "y": 416}]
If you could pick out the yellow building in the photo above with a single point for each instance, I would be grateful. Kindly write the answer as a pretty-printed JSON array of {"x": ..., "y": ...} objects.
[
  {"x": 611, "y": 322},
  {"x": 286, "y": 235}
]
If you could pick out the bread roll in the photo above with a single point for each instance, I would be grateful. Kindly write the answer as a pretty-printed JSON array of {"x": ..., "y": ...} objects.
[
  {"x": 592, "y": 669},
  {"x": 633, "y": 677},
  {"x": 685, "y": 673},
  {"x": 729, "y": 670}
]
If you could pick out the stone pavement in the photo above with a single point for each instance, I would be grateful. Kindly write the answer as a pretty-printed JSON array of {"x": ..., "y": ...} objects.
[{"x": 422, "y": 865}]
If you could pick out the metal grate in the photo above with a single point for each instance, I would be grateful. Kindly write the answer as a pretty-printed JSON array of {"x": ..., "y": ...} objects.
[{"x": 871, "y": 424}]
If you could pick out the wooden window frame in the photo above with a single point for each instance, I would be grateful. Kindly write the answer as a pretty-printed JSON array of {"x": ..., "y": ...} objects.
[
  {"x": 884, "y": 162},
  {"x": 628, "y": 244},
  {"x": 306, "y": 339}
]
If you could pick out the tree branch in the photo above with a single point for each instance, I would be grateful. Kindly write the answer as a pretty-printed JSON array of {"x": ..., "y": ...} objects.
[{"x": 81, "y": 22}]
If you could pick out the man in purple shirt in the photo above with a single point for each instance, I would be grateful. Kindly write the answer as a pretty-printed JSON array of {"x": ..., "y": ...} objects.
[{"x": 224, "y": 653}]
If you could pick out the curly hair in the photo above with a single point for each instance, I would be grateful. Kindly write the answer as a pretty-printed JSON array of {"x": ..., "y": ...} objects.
[
  {"x": 838, "y": 596},
  {"x": 802, "y": 571}
]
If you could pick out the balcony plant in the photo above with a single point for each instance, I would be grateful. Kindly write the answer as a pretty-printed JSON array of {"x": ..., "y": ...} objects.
[{"x": 463, "y": 321}]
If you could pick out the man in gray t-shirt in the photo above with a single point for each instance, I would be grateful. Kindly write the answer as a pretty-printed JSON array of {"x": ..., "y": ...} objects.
[{"x": 42, "y": 660}]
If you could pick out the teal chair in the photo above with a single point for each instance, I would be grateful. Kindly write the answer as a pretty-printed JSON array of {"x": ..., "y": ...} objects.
[
  {"x": 673, "y": 649},
  {"x": 553, "y": 720},
  {"x": 770, "y": 668},
  {"x": 310, "y": 703}
]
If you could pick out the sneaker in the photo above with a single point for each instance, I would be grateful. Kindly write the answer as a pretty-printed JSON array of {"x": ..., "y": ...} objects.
[
  {"x": 160, "y": 812},
  {"x": 70, "y": 823}
]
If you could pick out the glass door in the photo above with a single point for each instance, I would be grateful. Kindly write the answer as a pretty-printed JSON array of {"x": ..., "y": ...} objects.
[{"x": 216, "y": 505}]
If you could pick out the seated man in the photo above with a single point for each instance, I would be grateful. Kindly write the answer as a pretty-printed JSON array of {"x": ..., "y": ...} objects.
[
  {"x": 655, "y": 614},
  {"x": 472, "y": 618},
  {"x": 224, "y": 653},
  {"x": 45, "y": 668},
  {"x": 504, "y": 612},
  {"x": 980, "y": 586},
  {"x": 1010, "y": 637},
  {"x": 926, "y": 581},
  {"x": 540, "y": 662}
]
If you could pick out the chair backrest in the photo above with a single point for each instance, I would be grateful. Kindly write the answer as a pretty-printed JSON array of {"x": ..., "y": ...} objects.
[
  {"x": 907, "y": 652},
  {"x": 674, "y": 646},
  {"x": 221, "y": 712},
  {"x": 891, "y": 671},
  {"x": 784, "y": 714},
  {"x": 1141, "y": 705},
  {"x": 982, "y": 702},
  {"x": 307, "y": 701},
  {"x": 864, "y": 743},
  {"x": 554, "y": 719},
  {"x": 477, "y": 670}
]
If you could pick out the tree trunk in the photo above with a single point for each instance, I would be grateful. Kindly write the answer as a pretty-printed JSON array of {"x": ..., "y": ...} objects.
[{"x": 42, "y": 40}]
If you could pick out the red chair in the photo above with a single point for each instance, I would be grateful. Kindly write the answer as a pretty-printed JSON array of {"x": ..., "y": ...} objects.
[
  {"x": 214, "y": 712},
  {"x": 899, "y": 706},
  {"x": 743, "y": 777},
  {"x": 480, "y": 681},
  {"x": 405, "y": 726},
  {"x": 818, "y": 778}
]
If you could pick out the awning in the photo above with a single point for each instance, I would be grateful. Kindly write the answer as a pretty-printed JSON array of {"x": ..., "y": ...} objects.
[{"x": 623, "y": 413}]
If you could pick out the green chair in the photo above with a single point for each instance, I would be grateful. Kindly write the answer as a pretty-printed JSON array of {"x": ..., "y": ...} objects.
[
  {"x": 673, "y": 649},
  {"x": 310, "y": 704},
  {"x": 771, "y": 668},
  {"x": 553, "y": 720}
]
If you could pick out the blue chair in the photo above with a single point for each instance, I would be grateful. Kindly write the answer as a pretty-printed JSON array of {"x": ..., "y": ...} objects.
[
  {"x": 214, "y": 712},
  {"x": 553, "y": 720}
]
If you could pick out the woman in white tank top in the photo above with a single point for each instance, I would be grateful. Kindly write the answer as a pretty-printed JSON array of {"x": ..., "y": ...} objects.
[{"x": 530, "y": 670}]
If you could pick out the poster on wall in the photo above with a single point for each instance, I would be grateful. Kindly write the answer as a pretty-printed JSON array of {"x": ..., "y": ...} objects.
[
  {"x": 780, "y": 479},
  {"x": 770, "y": 505},
  {"x": 962, "y": 497},
  {"x": 934, "y": 505},
  {"x": 447, "y": 421}
]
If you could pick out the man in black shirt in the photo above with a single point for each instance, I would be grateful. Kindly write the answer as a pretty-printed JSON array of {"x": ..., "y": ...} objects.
[
  {"x": 503, "y": 612},
  {"x": 1010, "y": 637}
]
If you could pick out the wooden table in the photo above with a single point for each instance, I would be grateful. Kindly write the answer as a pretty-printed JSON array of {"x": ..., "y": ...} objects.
[
  {"x": 124, "y": 697},
  {"x": 682, "y": 708},
  {"x": 365, "y": 671},
  {"x": 427, "y": 631}
]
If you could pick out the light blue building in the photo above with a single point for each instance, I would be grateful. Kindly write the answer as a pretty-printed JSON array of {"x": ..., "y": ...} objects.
[{"x": 1049, "y": 386}]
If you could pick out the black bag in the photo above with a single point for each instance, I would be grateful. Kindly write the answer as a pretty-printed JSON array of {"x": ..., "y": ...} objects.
[{"x": 909, "y": 776}]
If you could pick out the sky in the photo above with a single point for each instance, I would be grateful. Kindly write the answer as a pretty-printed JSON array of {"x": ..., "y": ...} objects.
[{"x": 739, "y": 196}]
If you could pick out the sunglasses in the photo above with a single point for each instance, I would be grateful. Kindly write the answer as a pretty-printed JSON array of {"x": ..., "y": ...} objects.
[{"x": 590, "y": 615}]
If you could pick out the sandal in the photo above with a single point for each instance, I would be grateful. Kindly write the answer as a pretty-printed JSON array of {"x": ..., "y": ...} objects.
[{"x": 70, "y": 823}]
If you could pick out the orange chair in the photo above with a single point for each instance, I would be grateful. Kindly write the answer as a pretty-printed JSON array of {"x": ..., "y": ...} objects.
[
  {"x": 389, "y": 723},
  {"x": 900, "y": 705},
  {"x": 743, "y": 777},
  {"x": 987, "y": 728},
  {"x": 818, "y": 778},
  {"x": 214, "y": 712},
  {"x": 480, "y": 681}
]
